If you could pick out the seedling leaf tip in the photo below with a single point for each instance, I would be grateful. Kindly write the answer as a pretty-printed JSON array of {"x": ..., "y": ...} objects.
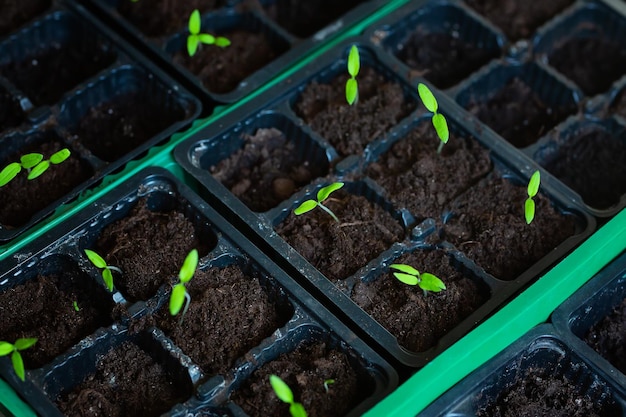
[
  {"x": 34, "y": 163},
  {"x": 99, "y": 262},
  {"x": 7, "y": 348},
  {"x": 322, "y": 195},
  {"x": 195, "y": 38},
  {"x": 179, "y": 294},
  {"x": 533, "y": 189},
  {"x": 411, "y": 276},
  {"x": 354, "y": 65},
  {"x": 438, "y": 120},
  {"x": 284, "y": 393}
]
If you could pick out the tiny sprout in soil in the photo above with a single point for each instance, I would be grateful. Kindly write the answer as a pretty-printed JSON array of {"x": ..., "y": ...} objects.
[
  {"x": 179, "y": 292},
  {"x": 322, "y": 195},
  {"x": 411, "y": 276},
  {"x": 438, "y": 119},
  {"x": 284, "y": 393},
  {"x": 352, "y": 87},
  {"x": 75, "y": 304},
  {"x": 195, "y": 38},
  {"x": 533, "y": 188},
  {"x": 34, "y": 163},
  {"x": 100, "y": 263},
  {"x": 7, "y": 348},
  {"x": 327, "y": 384}
]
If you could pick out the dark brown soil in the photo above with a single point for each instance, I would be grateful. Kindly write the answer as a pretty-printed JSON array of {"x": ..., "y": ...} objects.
[
  {"x": 593, "y": 163},
  {"x": 164, "y": 17},
  {"x": 149, "y": 247},
  {"x": 592, "y": 63},
  {"x": 539, "y": 393},
  {"x": 488, "y": 225},
  {"x": 608, "y": 337},
  {"x": 11, "y": 114},
  {"x": 338, "y": 250},
  {"x": 229, "y": 314},
  {"x": 17, "y": 12},
  {"x": 442, "y": 58},
  {"x": 267, "y": 170},
  {"x": 305, "y": 371},
  {"x": 141, "y": 387},
  {"x": 518, "y": 18},
  {"x": 517, "y": 113},
  {"x": 46, "y": 74},
  {"x": 115, "y": 128},
  {"x": 43, "y": 308},
  {"x": 419, "y": 179},
  {"x": 222, "y": 69},
  {"x": 380, "y": 106},
  {"x": 416, "y": 319},
  {"x": 20, "y": 199}
]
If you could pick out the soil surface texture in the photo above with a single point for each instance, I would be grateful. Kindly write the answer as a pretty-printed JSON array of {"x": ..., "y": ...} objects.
[
  {"x": 539, "y": 393},
  {"x": 21, "y": 198},
  {"x": 113, "y": 129},
  {"x": 43, "y": 307},
  {"x": 222, "y": 69},
  {"x": 608, "y": 337},
  {"x": 518, "y": 18},
  {"x": 380, "y": 106},
  {"x": 158, "y": 18},
  {"x": 339, "y": 249},
  {"x": 230, "y": 313},
  {"x": 11, "y": 114},
  {"x": 267, "y": 169},
  {"x": 517, "y": 113},
  {"x": 593, "y": 163},
  {"x": 17, "y": 12},
  {"x": 305, "y": 371},
  {"x": 419, "y": 179},
  {"x": 487, "y": 224},
  {"x": 593, "y": 63},
  {"x": 140, "y": 387},
  {"x": 442, "y": 58},
  {"x": 149, "y": 247},
  {"x": 416, "y": 319}
]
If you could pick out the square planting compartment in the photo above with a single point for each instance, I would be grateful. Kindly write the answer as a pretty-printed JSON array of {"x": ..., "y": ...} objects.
[
  {"x": 589, "y": 156},
  {"x": 540, "y": 374},
  {"x": 587, "y": 47},
  {"x": 440, "y": 42},
  {"x": 519, "y": 102},
  {"x": 59, "y": 44},
  {"x": 17, "y": 13}
]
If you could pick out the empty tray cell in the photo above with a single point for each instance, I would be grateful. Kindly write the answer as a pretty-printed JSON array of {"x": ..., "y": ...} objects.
[
  {"x": 54, "y": 301},
  {"x": 520, "y": 102},
  {"x": 121, "y": 112},
  {"x": 304, "y": 18},
  {"x": 442, "y": 44},
  {"x": 587, "y": 47},
  {"x": 518, "y": 18},
  {"x": 16, "y": 13},
  {"x": 11, "y": 113},
  {"x": 253, "y": 45},
  {"x": 21, "y": 198},
  {"x": 52, "y": 56},
  {"x": 589, "y": 156}
]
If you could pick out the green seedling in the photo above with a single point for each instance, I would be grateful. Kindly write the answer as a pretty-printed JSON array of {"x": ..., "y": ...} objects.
[
  {"x": 284, "y": 393},
  {"x": 7, "y": 348},
  {"x": 195, "y": 38},
  {"x": 533, "y": 188},
  {"x": 179, "y": 292},
  {"x": 354, "y": 64},
  {"x": 75, "y": 304},
  {"x": 100, "y": 263},
  {"x": 411, "y": 276},
  {"x": 33, "y": 163},
  {"x": 322, "y": 195},
  {"x": 438, "y": 119},
  {"x": 328, "y": 383}
]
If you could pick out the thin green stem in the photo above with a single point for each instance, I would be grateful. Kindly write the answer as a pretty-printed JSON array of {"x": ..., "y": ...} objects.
[{"x": 327, "y": 210}]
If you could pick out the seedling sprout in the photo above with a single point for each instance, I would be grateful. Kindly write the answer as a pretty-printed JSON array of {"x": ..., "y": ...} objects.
[
  {"x": 354, "y": 64},
  {"x": 284, "y": 393},
  {"x": 75, "y": 305},
  {"x": 99, "y": 262},
  {"x": 438, "y": 119},
  {"x": 533, "y": 188},
  {"x": 179, "y": 292},
  {"x": 7, "y": 348},
  {"x": 195, "y": 37},
  {"x": 322, "y": 195},
  {"x": 33, "y": 163},
  {"x": 411, "y": 276},
  {"x": 328, "y": 383}
]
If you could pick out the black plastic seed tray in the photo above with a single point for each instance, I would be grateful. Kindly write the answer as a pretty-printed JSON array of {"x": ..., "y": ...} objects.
[
  {"x": 289, "y": 31},
  {"x": 70, "y": 79},
  {"x": 204, "y": 153},
  {"x": 200, "y": 390}
]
